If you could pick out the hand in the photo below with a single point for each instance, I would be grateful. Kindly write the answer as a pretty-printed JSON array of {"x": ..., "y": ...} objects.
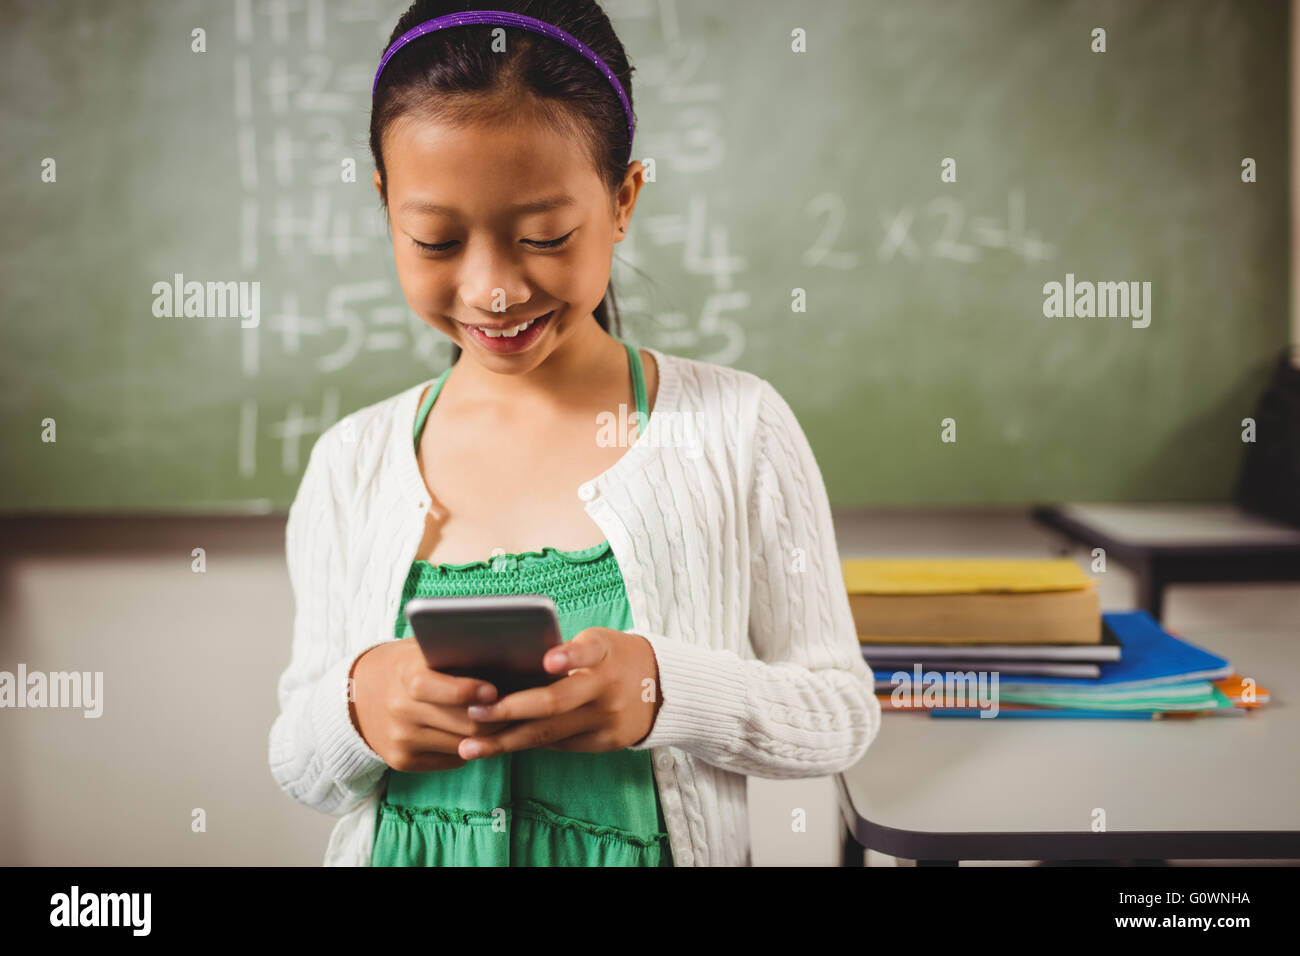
[
  {"x": 411, "y": 715},
  {"x": 608, "y": 701}
]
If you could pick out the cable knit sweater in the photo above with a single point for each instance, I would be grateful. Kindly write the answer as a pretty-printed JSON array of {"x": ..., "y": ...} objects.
[{"x": 718, "y": 517}]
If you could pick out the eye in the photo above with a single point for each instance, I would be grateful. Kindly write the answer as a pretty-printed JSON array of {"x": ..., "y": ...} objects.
[
  {"x": 434, "y": 246},
  {"x": 549, "y": 243},
  {"x": 535, "y": 243}
]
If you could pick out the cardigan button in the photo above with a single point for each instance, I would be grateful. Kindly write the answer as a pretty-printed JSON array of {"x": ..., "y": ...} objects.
[
  {"x": 586, "y": 491},
  {"x": 666, "y": 761}
]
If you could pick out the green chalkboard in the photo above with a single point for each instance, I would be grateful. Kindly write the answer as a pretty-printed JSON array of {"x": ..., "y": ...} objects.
[{"x": 799, "y": 226}]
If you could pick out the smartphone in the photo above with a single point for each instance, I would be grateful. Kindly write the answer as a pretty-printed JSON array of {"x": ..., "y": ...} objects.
[{"x": 497, "y": 638}]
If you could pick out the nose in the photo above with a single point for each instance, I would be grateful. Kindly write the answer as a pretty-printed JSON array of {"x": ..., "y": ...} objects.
[{"x": 491, "y": 279}]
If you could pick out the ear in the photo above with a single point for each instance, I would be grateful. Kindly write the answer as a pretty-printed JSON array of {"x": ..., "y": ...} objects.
[
  {"x": 625, "y": 201},
  {"x": 379, "y": 184}
]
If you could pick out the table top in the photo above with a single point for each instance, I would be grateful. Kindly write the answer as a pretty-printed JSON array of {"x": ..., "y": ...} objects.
[
  {"x": 1153, "y": 525},
  {"x": 1215, "y": 787}
]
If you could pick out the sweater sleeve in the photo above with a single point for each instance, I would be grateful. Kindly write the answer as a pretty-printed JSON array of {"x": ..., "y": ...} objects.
[
  {"x": 316, "y": 755},
  {"x": 806, "y": 706}
]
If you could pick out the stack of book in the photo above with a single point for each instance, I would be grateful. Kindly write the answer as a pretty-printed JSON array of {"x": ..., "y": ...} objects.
[{"x": 1019, "y": 638}]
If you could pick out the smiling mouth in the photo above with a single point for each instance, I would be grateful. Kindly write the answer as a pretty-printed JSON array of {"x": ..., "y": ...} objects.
[
  {"x": 504, "y": 331},
  {"x": 504, "y": 339}
]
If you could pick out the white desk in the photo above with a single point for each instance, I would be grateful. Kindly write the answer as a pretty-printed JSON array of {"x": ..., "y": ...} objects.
[{"x": 1208, "y": 788}]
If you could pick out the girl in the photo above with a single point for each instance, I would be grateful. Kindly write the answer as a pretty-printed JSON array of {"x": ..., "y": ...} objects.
[{"x": 688, "y": 546}]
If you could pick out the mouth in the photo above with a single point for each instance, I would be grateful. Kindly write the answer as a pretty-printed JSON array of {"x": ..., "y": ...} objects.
[{"x": 504, "y": 339}]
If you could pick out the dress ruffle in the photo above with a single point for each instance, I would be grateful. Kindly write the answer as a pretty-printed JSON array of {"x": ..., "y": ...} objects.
[
  {"x": 580, "y": 556},
  {"x": 440, "y": 836},
  {"x": 572, "y": 579}
]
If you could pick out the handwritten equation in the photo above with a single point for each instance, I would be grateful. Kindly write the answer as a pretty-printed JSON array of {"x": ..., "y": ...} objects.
[
  {"x": 301, "y": 81},
  {"x": 942, "y": 229}
]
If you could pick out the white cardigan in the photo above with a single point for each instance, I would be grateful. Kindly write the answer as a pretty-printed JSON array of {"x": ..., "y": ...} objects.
[{"x": 719, "y": 520}]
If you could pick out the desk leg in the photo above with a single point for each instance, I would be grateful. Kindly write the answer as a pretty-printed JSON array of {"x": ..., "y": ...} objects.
[
  {"x": 855, "y": 854},
  {"x": 1151, "y": 589}
]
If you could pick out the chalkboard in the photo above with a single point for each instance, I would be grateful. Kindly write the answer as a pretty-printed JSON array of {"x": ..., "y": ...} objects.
[{"x": 800, "y": 226}]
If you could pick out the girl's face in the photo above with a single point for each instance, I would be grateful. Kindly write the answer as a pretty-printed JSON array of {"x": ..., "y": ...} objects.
[{"x": 495, "y": 226}]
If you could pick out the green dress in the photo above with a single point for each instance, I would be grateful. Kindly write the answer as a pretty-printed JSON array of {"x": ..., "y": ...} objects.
[{"x": 534, "y": 807}]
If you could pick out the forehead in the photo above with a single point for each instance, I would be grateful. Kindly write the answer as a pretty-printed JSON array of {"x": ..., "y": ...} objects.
[{"x": 481, "y": 167}]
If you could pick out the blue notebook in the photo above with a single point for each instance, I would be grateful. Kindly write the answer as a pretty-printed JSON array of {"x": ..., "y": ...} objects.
[{"x": 1150, "y": 657}]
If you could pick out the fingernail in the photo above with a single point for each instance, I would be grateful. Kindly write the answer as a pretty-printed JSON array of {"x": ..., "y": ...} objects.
[
  {"x": 561, "y": 660},
  {"x": 471, "y": 750},
  {"x": 477, "y": 712},
  {"x": 486, "y": 693}
]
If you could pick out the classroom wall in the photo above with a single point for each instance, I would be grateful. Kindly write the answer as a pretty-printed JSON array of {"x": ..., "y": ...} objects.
[{"x": 189, "y": 662}]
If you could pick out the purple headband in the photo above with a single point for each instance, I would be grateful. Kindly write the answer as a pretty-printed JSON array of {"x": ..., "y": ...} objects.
[{"x": 520, "y": 22}]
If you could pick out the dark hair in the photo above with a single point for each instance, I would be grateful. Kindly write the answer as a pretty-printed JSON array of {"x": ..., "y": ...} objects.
[{"x": 454, "y": 74}]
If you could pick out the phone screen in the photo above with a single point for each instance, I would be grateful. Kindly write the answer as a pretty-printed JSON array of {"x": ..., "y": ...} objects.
[{"x": 497, "y": 639}]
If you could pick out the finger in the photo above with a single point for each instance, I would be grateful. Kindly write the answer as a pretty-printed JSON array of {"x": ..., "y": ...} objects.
[
  {"x": 586, "y": 649},
  {"x": 450, "y": 719},
  {"x": 531, "y": 734},
  {"x": 435, "y": 687},
  {"x": 427, "y": 740},
  {"x": 568, "y": 693}
]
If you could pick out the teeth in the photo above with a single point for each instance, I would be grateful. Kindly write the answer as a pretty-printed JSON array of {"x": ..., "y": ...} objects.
[{"x": 506, "y": 333}]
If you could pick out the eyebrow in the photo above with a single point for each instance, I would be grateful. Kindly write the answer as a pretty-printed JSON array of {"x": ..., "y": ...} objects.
[{"x": 537, "y": 205}]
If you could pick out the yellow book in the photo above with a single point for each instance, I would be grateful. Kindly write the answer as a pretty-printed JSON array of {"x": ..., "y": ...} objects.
[
  {"x": 961, "y": 575},
  {"x": 964, "y": 601}
]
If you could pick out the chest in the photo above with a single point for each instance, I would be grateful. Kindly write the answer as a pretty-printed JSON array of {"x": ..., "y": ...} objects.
[{"x": 510, "y": 486}]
